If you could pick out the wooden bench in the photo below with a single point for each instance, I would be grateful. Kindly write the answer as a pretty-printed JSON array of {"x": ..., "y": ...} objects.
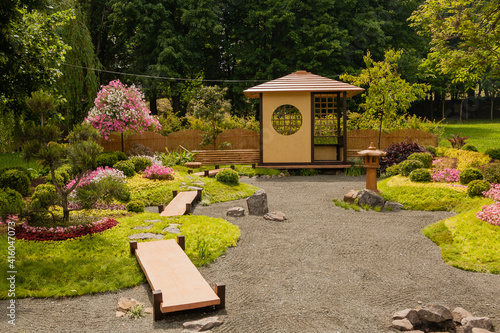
[
  {"x": 176, "y": 283},
  {"x": 181, "y": 204},
  {"x": 227, "y": 157}
]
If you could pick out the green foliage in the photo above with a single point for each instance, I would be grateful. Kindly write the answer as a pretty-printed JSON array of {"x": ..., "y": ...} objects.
[
  {"x": 41, "y": 103},
  {"x": 492, "y": 173},
  {"x": 176, "y": 158},
  {"x": 393, "y": 170},
  {"x": 44, "y": 197},
  {"x": 469, "y": 147},
  {"x": 106, "y": 190},
  {"x": 210, "y": 106},
  {"x": 228, "y": 176},
  {"x": 136, "y": 311},
  {"x": 484, "y": 134},
  {"x": 127, "y": 167},
  {"x": 140, "y": 163},
  {"x": 135, "y": 206},
  {"x": 106, "y": 159},
  {"x": 62, "y": 175},
  {"x": 476, "y": 188},
  {"x": 406, "y": 167},
  {"x": 469, "y": 175},
  {"x": 355, "y": 170},
  {"x": 420, "y": 175},
  {"x": 493, "y": 153},
  {"x": 465, "y": 159},
  {"x": 11, "y": 202},
  {"x": 386, "y": 94},
  {"x": 425, "y": 158},
  {"x": 432, "y": 150},
  {"x": 17, "y": 180}
]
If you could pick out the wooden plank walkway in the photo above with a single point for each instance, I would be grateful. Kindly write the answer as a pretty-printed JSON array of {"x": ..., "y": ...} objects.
[
  {"x": 181, "y": 203},
  {"x": 207, "y": 173},
  {"x": 175, "y": 281}
]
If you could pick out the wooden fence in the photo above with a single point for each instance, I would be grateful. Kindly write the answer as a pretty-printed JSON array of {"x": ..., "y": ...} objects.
[{"x": 246, "y": 139}]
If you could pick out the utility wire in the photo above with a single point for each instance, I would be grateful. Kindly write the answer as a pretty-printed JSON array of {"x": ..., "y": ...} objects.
[{"x": 157, "y": 77}]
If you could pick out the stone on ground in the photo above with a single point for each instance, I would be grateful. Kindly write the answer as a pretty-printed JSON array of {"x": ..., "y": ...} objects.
[
  {"x": 434, "y": 313},
  {"x": 402, "y": 325},
  {"x": 409, "y": 314},
  {"x": 477, "y": 322},
  {"x": 236, "y": 212},
  {"x": 172, "y": 229},
  {"x": 124, "y": 304},
  {"x": 459, "y": 314},
  {"x": 393, "y": 206},
  {"x": 257, "y": 203},
  {"x": 275, "y": 216},
  {"x": 146, "y": 235},
  {"x": 370, "y": 198},
  {"x": 202, "y": 325},
  {"x": 350, "y": 196}
]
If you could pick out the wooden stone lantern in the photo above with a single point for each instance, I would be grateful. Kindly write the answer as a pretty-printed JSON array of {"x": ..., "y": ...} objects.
[{"x": 372, "y": 163}]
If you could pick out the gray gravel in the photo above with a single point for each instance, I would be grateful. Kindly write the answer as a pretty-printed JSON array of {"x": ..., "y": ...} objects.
[{"x": 326, "y": 269}]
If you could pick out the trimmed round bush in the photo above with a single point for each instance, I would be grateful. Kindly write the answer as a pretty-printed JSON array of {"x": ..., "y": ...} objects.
[
  {"x": 120, "y": 156},
  {"x": 425, "y": 158},
  {"x": 45, "y": 195},
  {"x": 476, "y": 188},
  {"x": 228, "y": 176},
  {"x": 135, "y": 206},
  {"x": 107, "y": 159},
  {"x": 431, "y": 149},
  {"x": 17, "y": 180},
  {"x": 406, "y": 167},
  {"x": 127, "y": 167},
  {"x": 493, "y": 153},
  {"x": 393, "y": 170},
  {"x": 11, "y": 202},
  {"x": 492, "y": 173},
  {"x": 420, "y": 175},
  {"x": 23, "y": 169},
  {"x": 469, "y": 147},
  {"x": 469, "y": 175},
  {"x": 140, "y": 163}
]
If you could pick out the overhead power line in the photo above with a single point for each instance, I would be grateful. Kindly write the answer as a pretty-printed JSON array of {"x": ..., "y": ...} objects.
[{"x": 157, "y": 77}]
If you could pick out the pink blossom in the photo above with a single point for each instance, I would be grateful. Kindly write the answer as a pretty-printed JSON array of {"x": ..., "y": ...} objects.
[{"x": 446, "y": 175}]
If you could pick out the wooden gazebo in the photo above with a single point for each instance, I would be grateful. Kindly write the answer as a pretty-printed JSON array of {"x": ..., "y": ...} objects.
[{"x": 303, "y": 121}]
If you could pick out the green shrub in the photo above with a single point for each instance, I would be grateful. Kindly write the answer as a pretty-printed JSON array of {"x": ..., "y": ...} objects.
[
  {"x": 406, "y": 167},
  {"x": 140, "y": 163},
  {"x": 62, "y": 174},
  {"x": 476, "y": 188},
  {"x": 469, "y": 175},
  {"x": 45, "y": 195},
  {"x": 136, "y": 206},
  {"x": 127, "y": 167},
  {"x": 420, "y": 175},
  {"x": 120, "y": 156},
  {"x": 432, "y": 150},
  {"x": 425, "y": 158},
  {"x": 107, "y": 159},
  {"x": 21, "y": 168},
  {"x": 228, "y": 176},
  {"x": 11, "y": 202},
  {"x": 492, "y": 173},
  {"x": 393, "y": 170},
  {"x": 17, "y": 180},
  {"x": 493, "y": 153},
  {"x": 469, "y": 147}
]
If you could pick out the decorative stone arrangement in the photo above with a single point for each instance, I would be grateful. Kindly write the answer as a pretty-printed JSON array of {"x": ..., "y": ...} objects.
[
  {"x": 275, "y": 216},
  {"x": 372, "y": 199},
  {"x": 125, "y": 304},
  {"x": 257, "y": 203},
  {"x": 438, "y": 318}
]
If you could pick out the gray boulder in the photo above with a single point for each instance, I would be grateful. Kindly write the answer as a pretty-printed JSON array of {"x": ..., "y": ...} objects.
[
  {"x": 236, "y": 212},
  {"x": 370, "y": 198},
  {"x": 434, "y": 313},
  {"x": 257, "y": 203}
]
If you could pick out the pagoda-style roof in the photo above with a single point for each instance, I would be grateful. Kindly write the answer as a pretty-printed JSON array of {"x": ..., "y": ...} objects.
[{"x": 303, "y": 81}]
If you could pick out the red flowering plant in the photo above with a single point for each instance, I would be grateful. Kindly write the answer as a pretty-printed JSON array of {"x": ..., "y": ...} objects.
[
  {"x": 121, "y": 109},
  {"x": 158, "y": 172},
  {"x": 24, "y": 231}
]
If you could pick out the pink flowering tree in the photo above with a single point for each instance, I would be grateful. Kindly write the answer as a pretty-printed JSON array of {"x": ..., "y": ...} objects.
[{"x": 121, "y": 109}]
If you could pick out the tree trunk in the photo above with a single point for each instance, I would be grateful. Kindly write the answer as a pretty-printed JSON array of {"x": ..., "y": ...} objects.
[
  {"x": 491, "y": 108},
  {"x": 176, "y": 106},
  {"x": 153, "y": 106}
]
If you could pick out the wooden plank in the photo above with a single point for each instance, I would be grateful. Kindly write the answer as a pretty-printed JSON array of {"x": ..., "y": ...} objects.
[
  {"x": 211, "y": 173},
  {"x": 305, "y": 166},
  {"x": 177, "y": 206},
  {"x": 169, "y": 270}
]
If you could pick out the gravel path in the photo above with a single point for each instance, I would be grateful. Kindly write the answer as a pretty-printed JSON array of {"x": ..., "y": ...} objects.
[{"x": 325, "y": 270}]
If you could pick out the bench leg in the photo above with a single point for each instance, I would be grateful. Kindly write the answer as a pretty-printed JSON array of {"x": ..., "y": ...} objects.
[
  {"x": 190, "y": 171},
  {"x": 216, "y": 166},
  {"x": 161, "y": 208},
  {"x": 198, "y": 195},
  {"x": 253, "y": 166},
  {"x": 174, "y": 194},
  {"x": 157, "y": 299},
  {"x": 206, "y": 173},
  {"x": 133, "y": 247},
  {"x": 188, "y": 208},
  {"x": 232, "y": 166},
  {"x": 220, "y": 290},
  {"x": 181, "y": 240}
]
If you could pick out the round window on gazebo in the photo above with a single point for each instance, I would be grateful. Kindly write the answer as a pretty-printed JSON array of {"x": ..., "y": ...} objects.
[{"x": 286, "y": 119}]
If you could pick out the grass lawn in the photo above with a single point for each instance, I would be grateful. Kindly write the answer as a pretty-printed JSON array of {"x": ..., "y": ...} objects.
[
  {"x": 466, "y": 242},
  {"x": 483, "y": 134},
  {"x": 102, "y": 262}
]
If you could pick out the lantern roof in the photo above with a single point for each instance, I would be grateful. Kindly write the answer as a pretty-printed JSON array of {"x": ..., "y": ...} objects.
[
  {"x": 302, "y": 81},
  {"x": 372, "y": 151}
]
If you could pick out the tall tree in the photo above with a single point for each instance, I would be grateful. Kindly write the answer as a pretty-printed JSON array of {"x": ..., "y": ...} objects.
[{"x": 465, "y": 36}]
